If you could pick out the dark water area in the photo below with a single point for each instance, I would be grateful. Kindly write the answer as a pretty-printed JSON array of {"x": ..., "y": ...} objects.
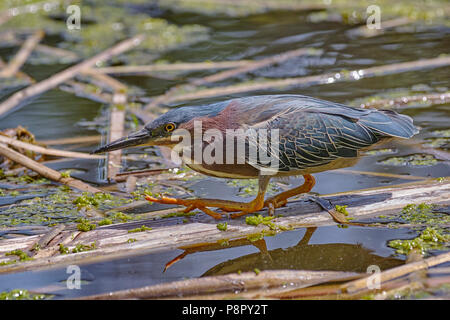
[{"x": 57, "y": 114}]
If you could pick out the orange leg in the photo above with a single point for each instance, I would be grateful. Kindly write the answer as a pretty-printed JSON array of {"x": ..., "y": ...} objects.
[
  {"x": 281, "y": 199},
  {"x": 225, "y": 205}
]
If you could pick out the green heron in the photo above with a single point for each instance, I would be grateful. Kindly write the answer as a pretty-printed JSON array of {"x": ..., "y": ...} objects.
[{"x": 313, "y": 136}]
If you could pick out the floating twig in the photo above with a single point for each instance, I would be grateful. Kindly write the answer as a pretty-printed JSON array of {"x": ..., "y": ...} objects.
[
  {"x": 432, "y": 98},
  {"x": 364, "y": 31},
  {"x": 116, "y": 131}
]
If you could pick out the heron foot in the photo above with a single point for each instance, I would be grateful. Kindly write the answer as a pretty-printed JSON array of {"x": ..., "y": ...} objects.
[{"x": 203, "y": 204}]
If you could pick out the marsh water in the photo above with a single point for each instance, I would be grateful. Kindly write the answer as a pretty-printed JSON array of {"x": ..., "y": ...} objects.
[{"x": 58, "y": 114}]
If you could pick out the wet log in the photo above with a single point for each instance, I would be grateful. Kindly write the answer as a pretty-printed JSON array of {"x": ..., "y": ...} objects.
[{"x": 112, "y": 241}]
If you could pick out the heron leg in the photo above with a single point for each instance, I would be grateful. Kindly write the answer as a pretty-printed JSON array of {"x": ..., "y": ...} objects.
[
  {"x": 280, "y": 199},
  {"x": 226, "y": 205}
]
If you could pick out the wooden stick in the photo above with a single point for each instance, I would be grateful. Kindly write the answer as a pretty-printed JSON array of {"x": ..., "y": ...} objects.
[
  {"x": 398, "y": 272},
  {"x": 254, "y": 65},
  {"x": 381, "y": 174},
  {"x": 116, "y": 131},
  {"x": 226, "y": 283},
  {"x": 44, "y": 171},
  {"x": 326, "y": 78},
  {"x": 258, "y": 64},
  {"x": 433, "y": 99},
  {"x": 364, "y": 31},
  {"x": 47, "y": 151},
  {"x": 185, "y": 66},
  {"x": 67, "y": 74},
  {"x": 22, "y": 55},
  {"x": 112, "y": 83}
]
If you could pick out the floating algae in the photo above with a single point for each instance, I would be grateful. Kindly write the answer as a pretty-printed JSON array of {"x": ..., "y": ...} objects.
[{"x": 416, "y": 160}]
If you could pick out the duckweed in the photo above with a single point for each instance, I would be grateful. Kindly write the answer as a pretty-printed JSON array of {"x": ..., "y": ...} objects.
[
  {"x": 429, "y": 239},
  {"x": 418, "y": 160},
  {"x": 342, "y": 209},
  {"x": 141, "y": 229}
]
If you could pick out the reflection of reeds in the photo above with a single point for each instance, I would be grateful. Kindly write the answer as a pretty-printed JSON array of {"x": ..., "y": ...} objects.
[{"x": 22, "y": 55}]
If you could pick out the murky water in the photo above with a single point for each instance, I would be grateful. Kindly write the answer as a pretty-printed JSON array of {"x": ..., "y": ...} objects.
[{"x": 56, "y": 114}]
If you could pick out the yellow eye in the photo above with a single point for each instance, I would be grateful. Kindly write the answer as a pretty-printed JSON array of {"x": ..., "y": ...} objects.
[{"x": 169, "y": 127}]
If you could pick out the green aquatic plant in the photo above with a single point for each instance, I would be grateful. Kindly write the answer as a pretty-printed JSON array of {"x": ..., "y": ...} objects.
[
  {"x": 78, "y": 248},
  {"x": 418, "y": 160},
  {"x": 105, "y": 222},
  {"x": 84, "y": 247},
  {"x": 22, "y": 294},
  {"x": 429, "y": 239}
]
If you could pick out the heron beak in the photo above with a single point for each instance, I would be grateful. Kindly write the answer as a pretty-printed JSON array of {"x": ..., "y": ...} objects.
[{"x": 141, "y": 137}]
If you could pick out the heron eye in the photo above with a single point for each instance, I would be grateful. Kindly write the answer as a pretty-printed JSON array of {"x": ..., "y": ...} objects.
[{"x": 169, "y": 127}]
